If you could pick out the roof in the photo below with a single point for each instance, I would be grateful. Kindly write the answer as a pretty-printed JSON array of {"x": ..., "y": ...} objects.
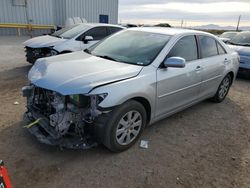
[
  {"x": 102, "y": 24},
  {"x": 167, "y": 30}
]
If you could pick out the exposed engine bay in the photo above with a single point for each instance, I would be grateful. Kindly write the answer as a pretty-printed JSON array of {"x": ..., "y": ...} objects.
[
  {"x": 32, "y": 54},
  {"x": 63, "y": 120}
]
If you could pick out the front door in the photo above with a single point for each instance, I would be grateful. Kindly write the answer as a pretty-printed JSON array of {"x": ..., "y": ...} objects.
[{"x": 178, "y": 87}]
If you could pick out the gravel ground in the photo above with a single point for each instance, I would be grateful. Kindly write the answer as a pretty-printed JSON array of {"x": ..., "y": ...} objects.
[{"x": 207, "y": 145}]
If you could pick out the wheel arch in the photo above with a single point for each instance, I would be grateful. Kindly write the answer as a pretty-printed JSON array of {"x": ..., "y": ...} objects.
[
  {"x": 146, "y": 105},
  {"x": 231, "y": 74}
]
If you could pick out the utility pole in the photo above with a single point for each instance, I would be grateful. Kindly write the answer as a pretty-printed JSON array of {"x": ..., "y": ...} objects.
[
  {"x": 182, "y": 22},
  {"x": 238, "y": 24}
]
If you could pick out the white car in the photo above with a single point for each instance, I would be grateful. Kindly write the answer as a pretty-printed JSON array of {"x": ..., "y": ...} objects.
[{"x": 75, "y": 38}]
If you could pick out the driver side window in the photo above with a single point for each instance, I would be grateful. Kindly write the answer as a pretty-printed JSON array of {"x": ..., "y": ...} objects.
[
  {"x": 97, "y": 33},
  {"x": 186, "y": 48}
]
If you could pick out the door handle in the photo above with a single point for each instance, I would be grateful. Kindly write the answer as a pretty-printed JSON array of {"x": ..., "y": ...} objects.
[{"x": 198, "y": 68}]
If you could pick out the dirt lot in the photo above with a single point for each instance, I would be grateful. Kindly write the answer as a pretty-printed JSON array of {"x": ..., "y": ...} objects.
[{"x": 207, "y": 145}]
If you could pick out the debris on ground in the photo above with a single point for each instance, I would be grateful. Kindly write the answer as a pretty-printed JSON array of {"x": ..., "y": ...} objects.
[
  {"x": 178, "y": 181},
  {"x": 233, "y": 158},
  {"x": 144, "y": 144},
  {"x": 16, "y": 103}
]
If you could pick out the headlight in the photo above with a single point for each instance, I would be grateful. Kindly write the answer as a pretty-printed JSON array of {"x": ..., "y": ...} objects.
[
  {"x": 84, "y": 101},
  {"x": 37, "y": 71},
  {"x": 80, "y": 100},
  {"x": 101, "y": 97}
]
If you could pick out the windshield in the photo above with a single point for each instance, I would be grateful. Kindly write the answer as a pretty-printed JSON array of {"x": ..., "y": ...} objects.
[
  {"x": 228, "y": 35},
  {"x": 134, "y": 47},
  {"x": 70, "y": 32},
  {"x": 242, "y": 38}
]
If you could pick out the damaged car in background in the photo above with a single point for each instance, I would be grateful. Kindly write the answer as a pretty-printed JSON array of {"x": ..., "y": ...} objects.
[
  {"x": 111, "y": 91},
  {"x": 70, "y": 39},
  {"x": 241, "y": 44},
  {"x": 228, "y": 36}
]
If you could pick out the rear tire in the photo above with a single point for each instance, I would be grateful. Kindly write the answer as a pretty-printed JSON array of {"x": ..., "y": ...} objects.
[
  {"x": 121, "y": 128},
  {"x": 223, "y": 89}
]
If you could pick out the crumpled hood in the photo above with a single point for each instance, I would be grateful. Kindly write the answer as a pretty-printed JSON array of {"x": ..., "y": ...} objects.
[
  {"x": 242, "y": 50},
  {"x": 43, "y": 41},
  {"x": 78, "y": 72}
]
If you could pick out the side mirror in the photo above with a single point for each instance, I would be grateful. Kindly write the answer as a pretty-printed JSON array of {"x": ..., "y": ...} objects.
[
  {"x": 176, "y": 62},
  {"x": 86, "y": 39}
]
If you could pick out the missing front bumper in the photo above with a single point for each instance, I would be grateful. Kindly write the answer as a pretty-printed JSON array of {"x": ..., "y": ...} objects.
[{"x": 46, "y": 134}]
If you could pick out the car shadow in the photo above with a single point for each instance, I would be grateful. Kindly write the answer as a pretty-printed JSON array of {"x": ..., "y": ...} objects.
[{"x": 15, "y": 73}]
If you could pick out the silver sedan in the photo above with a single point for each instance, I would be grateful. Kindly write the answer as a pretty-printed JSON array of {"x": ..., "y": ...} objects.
[{"x": 110, "y": 92}]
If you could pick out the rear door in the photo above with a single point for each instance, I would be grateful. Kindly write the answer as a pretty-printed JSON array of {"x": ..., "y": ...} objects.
[
  {"x": 213, "y": 63},
  {"x": 178, "y": 87}
]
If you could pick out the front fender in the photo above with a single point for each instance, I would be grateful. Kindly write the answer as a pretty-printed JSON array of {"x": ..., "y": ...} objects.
[
  {"x": 69, "y": 45},
  {"x": 143, "y": 85}
]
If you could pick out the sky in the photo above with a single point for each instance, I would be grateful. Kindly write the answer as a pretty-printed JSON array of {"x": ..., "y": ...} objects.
[{"x": 192, "y": 12}]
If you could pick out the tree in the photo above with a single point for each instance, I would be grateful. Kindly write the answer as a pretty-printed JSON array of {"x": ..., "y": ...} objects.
[{"x": 163, "y": 25}]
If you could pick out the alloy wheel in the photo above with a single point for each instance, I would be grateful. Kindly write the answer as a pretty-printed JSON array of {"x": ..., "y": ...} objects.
[
  {"x": 128, "y": 127},
  {"x": 224, "y": 87}
]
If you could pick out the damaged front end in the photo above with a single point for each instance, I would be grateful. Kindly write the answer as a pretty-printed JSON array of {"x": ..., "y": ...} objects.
[
  {"x": 32, "y": 54},
  {"x": 61, "y": 120}
]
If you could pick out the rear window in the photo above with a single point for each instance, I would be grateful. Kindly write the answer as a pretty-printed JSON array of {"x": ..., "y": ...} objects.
[{"x": 208, "y": 46}]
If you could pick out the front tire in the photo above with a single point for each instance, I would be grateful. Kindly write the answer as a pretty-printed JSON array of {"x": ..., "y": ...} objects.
[
  {"x": 123, "y": 126},
  {"x": 223, "y": 89}
]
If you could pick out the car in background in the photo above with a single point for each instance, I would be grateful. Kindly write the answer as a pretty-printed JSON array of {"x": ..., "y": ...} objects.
[
  {"x": 70, "y": 39},
  {"x": 129, "y": 25},
  {"x": 227, "y": 36},
  {"x": 241, "y": 44},
  {"x": 138, "y": 76}
]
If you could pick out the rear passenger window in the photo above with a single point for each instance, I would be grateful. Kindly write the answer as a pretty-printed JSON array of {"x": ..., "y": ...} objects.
[
  {"x": 97, "y": 33},
  {"x": 221, "y": 50},
  {"x": 208, "y": 46},
  {"x": 186, "y": 48},
  {"x": 114, "y": 29}
]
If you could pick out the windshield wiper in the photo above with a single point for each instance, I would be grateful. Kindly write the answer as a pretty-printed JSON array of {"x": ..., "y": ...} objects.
[
  {"x": 87, "y": 51},
  {"x": 106, "y": 57},
  {"x": 113, "y": 59},
  {"x": 57, "y": 36},
  {"x": 244, "y": 44},
  {"x": 232, "y": 43},
  {"x": 239, "y": 44}
]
